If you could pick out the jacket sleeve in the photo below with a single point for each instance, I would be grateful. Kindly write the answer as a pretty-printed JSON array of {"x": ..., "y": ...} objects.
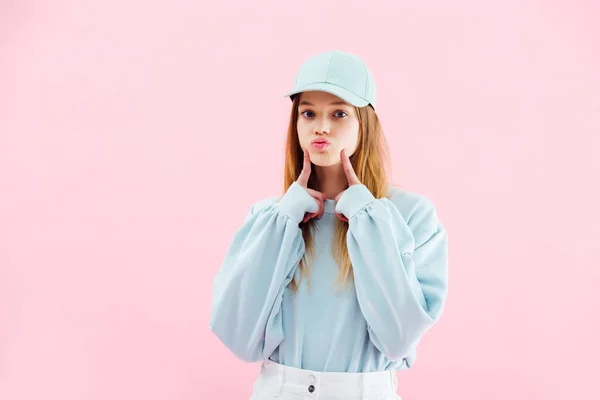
[
  {"x": 400, "y": 277},
  {"x": 260, "y": 262}
]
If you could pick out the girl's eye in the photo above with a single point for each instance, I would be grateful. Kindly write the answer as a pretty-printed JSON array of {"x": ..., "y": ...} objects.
[{"x": 337, "y": 114}]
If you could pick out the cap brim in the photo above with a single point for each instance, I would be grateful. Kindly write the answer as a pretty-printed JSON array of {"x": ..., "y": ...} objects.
[{"x": 338, "y": 91}]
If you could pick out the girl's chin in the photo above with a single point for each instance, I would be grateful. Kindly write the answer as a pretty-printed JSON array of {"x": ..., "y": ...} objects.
[{"x": 324, "y": 159}]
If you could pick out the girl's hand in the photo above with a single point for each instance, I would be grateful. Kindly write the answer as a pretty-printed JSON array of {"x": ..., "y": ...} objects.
[
  {"x": 318, "y": 196},
  {"x": 350, "y": 176}
]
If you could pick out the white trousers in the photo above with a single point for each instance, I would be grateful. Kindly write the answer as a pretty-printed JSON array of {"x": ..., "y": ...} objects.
[{"x": 280, "y": 382}]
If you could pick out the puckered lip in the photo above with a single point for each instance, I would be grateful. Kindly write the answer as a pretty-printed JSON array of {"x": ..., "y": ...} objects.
[{"x": 320, "y": 140}]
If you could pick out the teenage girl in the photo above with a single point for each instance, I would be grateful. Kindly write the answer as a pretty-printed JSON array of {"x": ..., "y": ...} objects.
[{"x": 332, "y": 284}]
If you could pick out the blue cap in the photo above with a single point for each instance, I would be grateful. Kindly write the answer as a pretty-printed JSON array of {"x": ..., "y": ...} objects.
[{"x": 342, "y": 74}]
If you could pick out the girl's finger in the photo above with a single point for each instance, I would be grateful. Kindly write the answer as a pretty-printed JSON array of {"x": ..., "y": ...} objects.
[
  {"x": 308, "y": 216},
  {"x": 348, "y": 169},
  {"x": 320, "y": 199},
  {"x": 321, "y": 209},
  {"x": 323, "y": 198},
  {"x": 305, "y": 173},
  {"x": 314, "y": 193},
  {"x": 342, "y": 217}
]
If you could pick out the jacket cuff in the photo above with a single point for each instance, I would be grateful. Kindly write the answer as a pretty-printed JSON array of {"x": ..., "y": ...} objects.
[
  {"x": 296, "y": 202},
  {"x": 354, "y": 199}
]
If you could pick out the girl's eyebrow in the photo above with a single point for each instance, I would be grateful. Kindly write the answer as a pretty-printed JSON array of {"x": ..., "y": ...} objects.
[{"x": 335, "y": 103}]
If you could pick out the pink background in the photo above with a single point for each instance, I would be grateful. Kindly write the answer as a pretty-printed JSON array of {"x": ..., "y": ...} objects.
[{"x": 134, "y": 136}]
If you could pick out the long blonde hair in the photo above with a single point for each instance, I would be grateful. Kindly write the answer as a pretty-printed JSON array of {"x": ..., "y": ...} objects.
[{"x": 372, "y": 166}]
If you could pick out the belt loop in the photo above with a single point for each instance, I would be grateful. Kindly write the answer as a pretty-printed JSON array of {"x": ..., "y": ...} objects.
[
  {"x": 363, "y": 395},
  {"x": 393, "y": 379},
  {"x": 281, "y": 379}
]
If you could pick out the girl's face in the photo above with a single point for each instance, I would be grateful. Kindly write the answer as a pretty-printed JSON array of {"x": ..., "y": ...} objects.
[{"x": 326, "y": 125}]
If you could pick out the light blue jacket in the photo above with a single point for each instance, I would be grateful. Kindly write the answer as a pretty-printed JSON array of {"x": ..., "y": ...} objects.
[{"x": 399, "y": 253}]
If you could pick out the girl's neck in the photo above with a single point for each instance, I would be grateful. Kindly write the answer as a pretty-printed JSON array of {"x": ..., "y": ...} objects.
[{"x": 332, "y": 180}]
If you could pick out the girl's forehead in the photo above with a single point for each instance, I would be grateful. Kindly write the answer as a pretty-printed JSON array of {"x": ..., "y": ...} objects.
[{"x": 325, "y": 98}]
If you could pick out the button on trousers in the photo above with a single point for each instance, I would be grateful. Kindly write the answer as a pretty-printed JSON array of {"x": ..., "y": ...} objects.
[{"x": 280, "y": 382}]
